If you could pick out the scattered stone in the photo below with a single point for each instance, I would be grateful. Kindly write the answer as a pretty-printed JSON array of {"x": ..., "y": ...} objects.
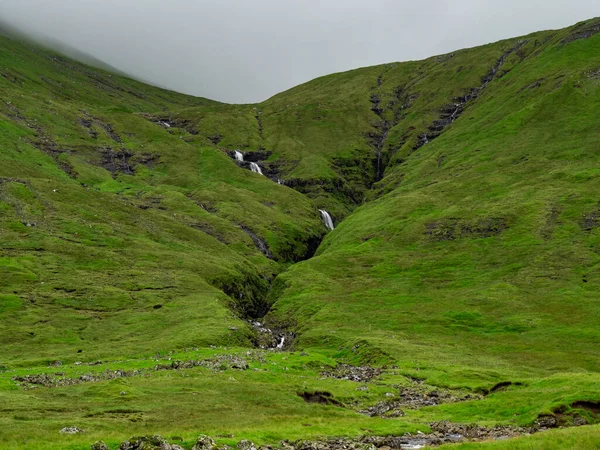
[
  {"x": 352, "y": 373},
  {"x": 415, "y": 397},
  {"x": 100, "y": 445},
  {"x": 385, "y": 409},
  {"x": 218, "y": 363},
  {"x": 71, "y": 430},
  {"x": 477, "y": 432},
  {"x": 222, "y": 362}
]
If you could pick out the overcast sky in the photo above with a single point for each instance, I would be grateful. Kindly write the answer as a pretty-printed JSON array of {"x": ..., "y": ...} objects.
[{"x": 247, "y": 50}]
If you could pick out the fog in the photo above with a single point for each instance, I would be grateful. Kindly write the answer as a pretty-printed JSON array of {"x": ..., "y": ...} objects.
[{"x": 245, "y": 51}]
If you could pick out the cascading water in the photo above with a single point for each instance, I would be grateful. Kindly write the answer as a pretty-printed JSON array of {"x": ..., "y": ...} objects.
[
  {"x": 280, "y": 345},
  {"x": 327, "y": 219},
  {"x": 255, "y": 168},
  {"x": 239, "y": 155}
]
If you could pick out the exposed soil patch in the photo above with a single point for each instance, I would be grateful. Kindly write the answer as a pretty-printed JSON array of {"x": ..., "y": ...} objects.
[
  {"x": 593, "y": 407},
  {"x": 322, "y": 397},
  {"x": 215, "y": 139},
  {"x": 88, "y": 123},
  {"x": 453, "y": 228},
  {"x": 551, "y": 221},
  {"x": 502, "y": 386},
  {"x": 123, "y": 161},
  {"x": 590, "y": 221}
]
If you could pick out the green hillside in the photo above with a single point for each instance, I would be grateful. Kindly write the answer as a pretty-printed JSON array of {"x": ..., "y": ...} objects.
[{"x": 460, "y": 283}]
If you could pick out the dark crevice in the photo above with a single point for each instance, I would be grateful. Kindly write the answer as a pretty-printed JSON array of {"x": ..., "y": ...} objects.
[
  {"x": 452, "y": 111},
  {"x": 389, "y": 116},
  {"x": 259, "y": 122}
]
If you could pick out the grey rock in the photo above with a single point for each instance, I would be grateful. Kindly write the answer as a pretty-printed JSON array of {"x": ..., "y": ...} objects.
[
  {"x": 204, "y": 443},
  {"x": 71, "y": 430},
  {"x": 246, "y": 445}
]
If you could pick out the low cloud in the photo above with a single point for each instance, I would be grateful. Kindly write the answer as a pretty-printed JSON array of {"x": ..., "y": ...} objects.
[{"x": 247, "y": 50}]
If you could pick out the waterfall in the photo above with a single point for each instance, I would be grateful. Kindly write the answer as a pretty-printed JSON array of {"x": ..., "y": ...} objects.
[
  {"x": 255, "y": 168},
  {"x": 327, "y": 219},
  {"x": 239, "y": 156},
  {"x": 280, "y": 345}
]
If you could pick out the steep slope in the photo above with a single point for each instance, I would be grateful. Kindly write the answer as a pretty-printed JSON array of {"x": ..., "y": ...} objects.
[{"x": 484, "y": 250}]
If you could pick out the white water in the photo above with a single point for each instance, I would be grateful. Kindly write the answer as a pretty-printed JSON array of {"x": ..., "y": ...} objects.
[
  {"x": 255, "y": 168},
  {"x": 280, "y": 345},
  {"x": 327, "y": 219},
  {"x": 239, "y": 156}
]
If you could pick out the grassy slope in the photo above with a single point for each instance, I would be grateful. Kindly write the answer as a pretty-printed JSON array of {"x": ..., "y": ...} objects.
[
  {"x": 467, "y": 266},
  {"x": 478, "y": 263},
  {"x": 105, "y": 245}
]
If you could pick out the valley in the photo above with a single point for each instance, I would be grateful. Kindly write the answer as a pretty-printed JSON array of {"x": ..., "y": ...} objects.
[{"x": 397, "y": 256}]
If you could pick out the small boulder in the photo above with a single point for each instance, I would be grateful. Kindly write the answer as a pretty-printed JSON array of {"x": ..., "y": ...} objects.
[
  {"x": 99, "y": 446},
  {"x": 579, "y": 421},
  {"x": 204, "y": 442},
  {"x": 546, "y": 421},
  {"x": 246, "y": 445}
]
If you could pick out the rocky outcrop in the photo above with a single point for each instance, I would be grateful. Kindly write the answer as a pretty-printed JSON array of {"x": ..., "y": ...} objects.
[
  {"x": 217, "y": 363},
  {"x": 155, "y": 442},
  {"x": 415, "y": 397},
  {"x": 204, "y": 442}
]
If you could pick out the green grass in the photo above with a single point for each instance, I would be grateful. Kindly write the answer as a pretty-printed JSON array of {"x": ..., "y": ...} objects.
[{"x": 469, "y": 261}]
